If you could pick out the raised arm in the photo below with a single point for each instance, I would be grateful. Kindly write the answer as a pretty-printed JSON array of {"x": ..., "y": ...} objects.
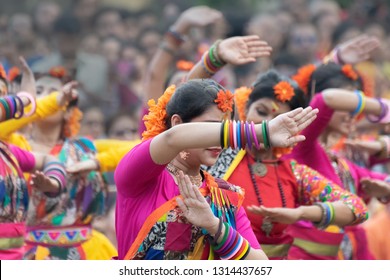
[
  {"x": 235, "y": 51},
  {"x": 283, "y": 132},
  {"x": 159, "y": 66}
]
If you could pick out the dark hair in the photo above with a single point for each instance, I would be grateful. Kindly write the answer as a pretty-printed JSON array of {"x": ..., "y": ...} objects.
[
  {"x": 264, "y": 87},
  {"x": 191, "y": 99},
  {"x": 331, "y": 76},
  {"x": 341, "y": 30}
]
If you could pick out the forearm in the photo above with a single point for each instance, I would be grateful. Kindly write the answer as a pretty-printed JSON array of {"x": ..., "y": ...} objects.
[
  {"x": 167, "y": 145},
  {"x": 343, "y": 215},
  {"x": 158, "y": 68},
  {"x": 345, "y": 100}
]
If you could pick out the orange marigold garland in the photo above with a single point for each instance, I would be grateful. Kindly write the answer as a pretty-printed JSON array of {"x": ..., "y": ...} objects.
[
  {"x": 72, "y": 125},
  {"x": 155, "y": 119},
  {"x": 348, "y": 71},
  {"x": 13, "y": 73},
  {"x": 303, "y": 76},
  {"x": 284, "y": 91},
  {"x": 225, "y": 101},
  {"x": 184, "y": 65},
  {"x": 241, "y": 96}
]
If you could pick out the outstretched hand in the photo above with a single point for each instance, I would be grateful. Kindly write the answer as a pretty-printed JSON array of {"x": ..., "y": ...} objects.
[
  {"x": 277, "y": 215},
  {"x": 83, "y": 167},
  {"x": 358, "y": 49},
  {"x": 44, "y": 183},
  {"x": 371, "y": 147},
  {"x": 68, "y": 93},
  {"x": 194, "y": 206},
  {"x": 243, "y": 49},
  {"x": 200, "y": 16},
  {"x": 28, "y": 80},
  {"x": 375, "y": 188},
  {"x": 284, "y": 128}
]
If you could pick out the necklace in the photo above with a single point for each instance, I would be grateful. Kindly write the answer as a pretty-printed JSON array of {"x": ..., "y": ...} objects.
[
  {"x": 267, "y": 225},
  {"x": 195, "y": 180}
]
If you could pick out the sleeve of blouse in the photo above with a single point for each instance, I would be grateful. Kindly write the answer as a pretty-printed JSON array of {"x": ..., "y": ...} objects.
[
  {"x": 137, "y": 170},
  {"x": 109, "y": 159},
  {"x": 26, "y": 159},
  {"x": 313, "y": 131},
  {"x": 103, "y": 145},
  {"x": 313, "y": 187},
  {"x": 245, "y": 229},
  {"x": 46, "y": 106}
]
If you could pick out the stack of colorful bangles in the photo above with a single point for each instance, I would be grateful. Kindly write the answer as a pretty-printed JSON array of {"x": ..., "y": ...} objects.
[
  {"x": 384, "y": 116},
  {"x": 361, "y": 103},
  {"x": 239, "y": 135},
  {"x": 328, "y": 215},
  {"x": 211, "y": 62},
  {"x": 232, "y": 246},
  {"x": 56, "y": 171},
  {"x": 13, "y": 107}
]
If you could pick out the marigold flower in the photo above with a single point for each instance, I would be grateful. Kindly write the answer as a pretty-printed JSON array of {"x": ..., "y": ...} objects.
[
  {"x": 241, "y": 96},
  {"x": 225, "y": 101},
  {"x": 284, "y": 91},
  {"x": 303, "y": 76},
  {"x": 348, "y": 71}
]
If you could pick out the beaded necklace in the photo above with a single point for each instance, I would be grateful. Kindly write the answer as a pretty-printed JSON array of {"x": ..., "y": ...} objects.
[
  {"x": 195, "y": 180},
  {"x": 267, "y": 226}
]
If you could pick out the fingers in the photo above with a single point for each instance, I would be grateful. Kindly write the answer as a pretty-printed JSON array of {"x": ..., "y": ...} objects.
[
  {"x": 307, "y": 122},
  {"x": 23, "y": 63},
  {"x": 182, "y": 205},
  {"x": 295, "y": 139},
  {"x": 182, "y": 185},
  {"x": 294, "y": 113}
]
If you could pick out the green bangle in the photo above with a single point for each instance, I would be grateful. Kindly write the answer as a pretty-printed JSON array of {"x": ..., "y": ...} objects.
[
  {"x": 265, "y": 136},
  {"x": 225, "y": 236},
  {"x": 213, "y": 59}
]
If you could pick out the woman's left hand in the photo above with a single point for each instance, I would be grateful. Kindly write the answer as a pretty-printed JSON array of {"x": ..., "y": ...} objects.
[
  {"x": 44, "y": 183},
  {"x": 194, "y": 206},
  {"x": 243, "y": 49},
  {"x": 284, "y": 128},
  {"x": 277, "y": 215}
]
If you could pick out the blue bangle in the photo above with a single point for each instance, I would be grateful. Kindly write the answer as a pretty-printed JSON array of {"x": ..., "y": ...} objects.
[
  {"x": 238, "y": 135},
  {"x": 360, "y": 102}
]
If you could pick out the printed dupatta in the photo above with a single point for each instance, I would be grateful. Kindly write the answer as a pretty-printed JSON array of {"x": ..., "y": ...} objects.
[
  {"x": 166, "y": 234},
  {"x": 13, "y": 188},
  {"x": 82, "y": 199}
]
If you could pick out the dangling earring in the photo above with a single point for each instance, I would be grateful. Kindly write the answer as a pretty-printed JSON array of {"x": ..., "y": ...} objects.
[{"x": 184, "y": 155}]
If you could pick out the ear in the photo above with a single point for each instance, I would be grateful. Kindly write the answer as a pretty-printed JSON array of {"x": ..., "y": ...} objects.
[{"x": 176, "y": 119}]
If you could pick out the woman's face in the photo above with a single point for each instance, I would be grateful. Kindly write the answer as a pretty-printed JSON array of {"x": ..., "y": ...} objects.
[
  {"x": 341, "y": 122},
  {"x": 210, "y": 155},
  {"x": 124, "y": 128},
  {"x": 46, "y": 86},
  {"x": 266, "y": 109}
]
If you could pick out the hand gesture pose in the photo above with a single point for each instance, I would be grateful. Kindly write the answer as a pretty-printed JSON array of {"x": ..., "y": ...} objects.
[
  {"x": 68, "y": 93},
  {"x": 357, "y": 49},
  {"x": 242, "y": 50},
  {"x": 375, "y": 188},
  {"x": 44, "y": 183},
  {"x": 278, "y": 214},
  {"x": 28, "y": 80},
  {"x": 285, "y": 127},
  {"x": 194, "y": 206}
]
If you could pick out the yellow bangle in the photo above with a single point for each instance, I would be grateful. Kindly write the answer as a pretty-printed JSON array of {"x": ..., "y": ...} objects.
[{"x": 225, "y": 136}]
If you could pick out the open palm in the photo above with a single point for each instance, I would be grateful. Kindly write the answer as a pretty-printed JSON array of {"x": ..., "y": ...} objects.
[
  {"x": 284, "y": 128},
  {"x": 242, "y": 50},
  {"x": 194, "y": 206},
  {"x": 358, "y": 49}
]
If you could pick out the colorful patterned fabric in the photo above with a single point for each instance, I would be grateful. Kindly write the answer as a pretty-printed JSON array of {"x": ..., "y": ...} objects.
[
  {"x": 172, "y": 237},
  {"x": 13, "y": 189},
  {"x": 68, "y": 236},
  {"x": 81, "y": 200},
  {"x": 313, "y": 185},
  {"x": 97, "y": 247}
]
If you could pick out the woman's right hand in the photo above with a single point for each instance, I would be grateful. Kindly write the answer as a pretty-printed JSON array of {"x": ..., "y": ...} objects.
[
  {"x": 67, "y": 94},
  {"x": 198, "y": 16},
  {"x": 28, "y": 80},
  {"x": 284, "y": 128}
]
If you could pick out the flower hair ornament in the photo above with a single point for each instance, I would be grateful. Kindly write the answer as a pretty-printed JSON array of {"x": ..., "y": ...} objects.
[
  {"x": 155, "y": 119},
  {"x": 349, "y": 72},
  {"x": 3, "y": 74},
  {"x": 58, "y": 72},
  {"x": 303, "y": 76},
  {"x": 13, "y": 73},
  {"x": 184, "y": 65},
  {"x": 284, "y": 91},
  {"x": 225, "y": 100},
  {"x": 241, "y": 96}
]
